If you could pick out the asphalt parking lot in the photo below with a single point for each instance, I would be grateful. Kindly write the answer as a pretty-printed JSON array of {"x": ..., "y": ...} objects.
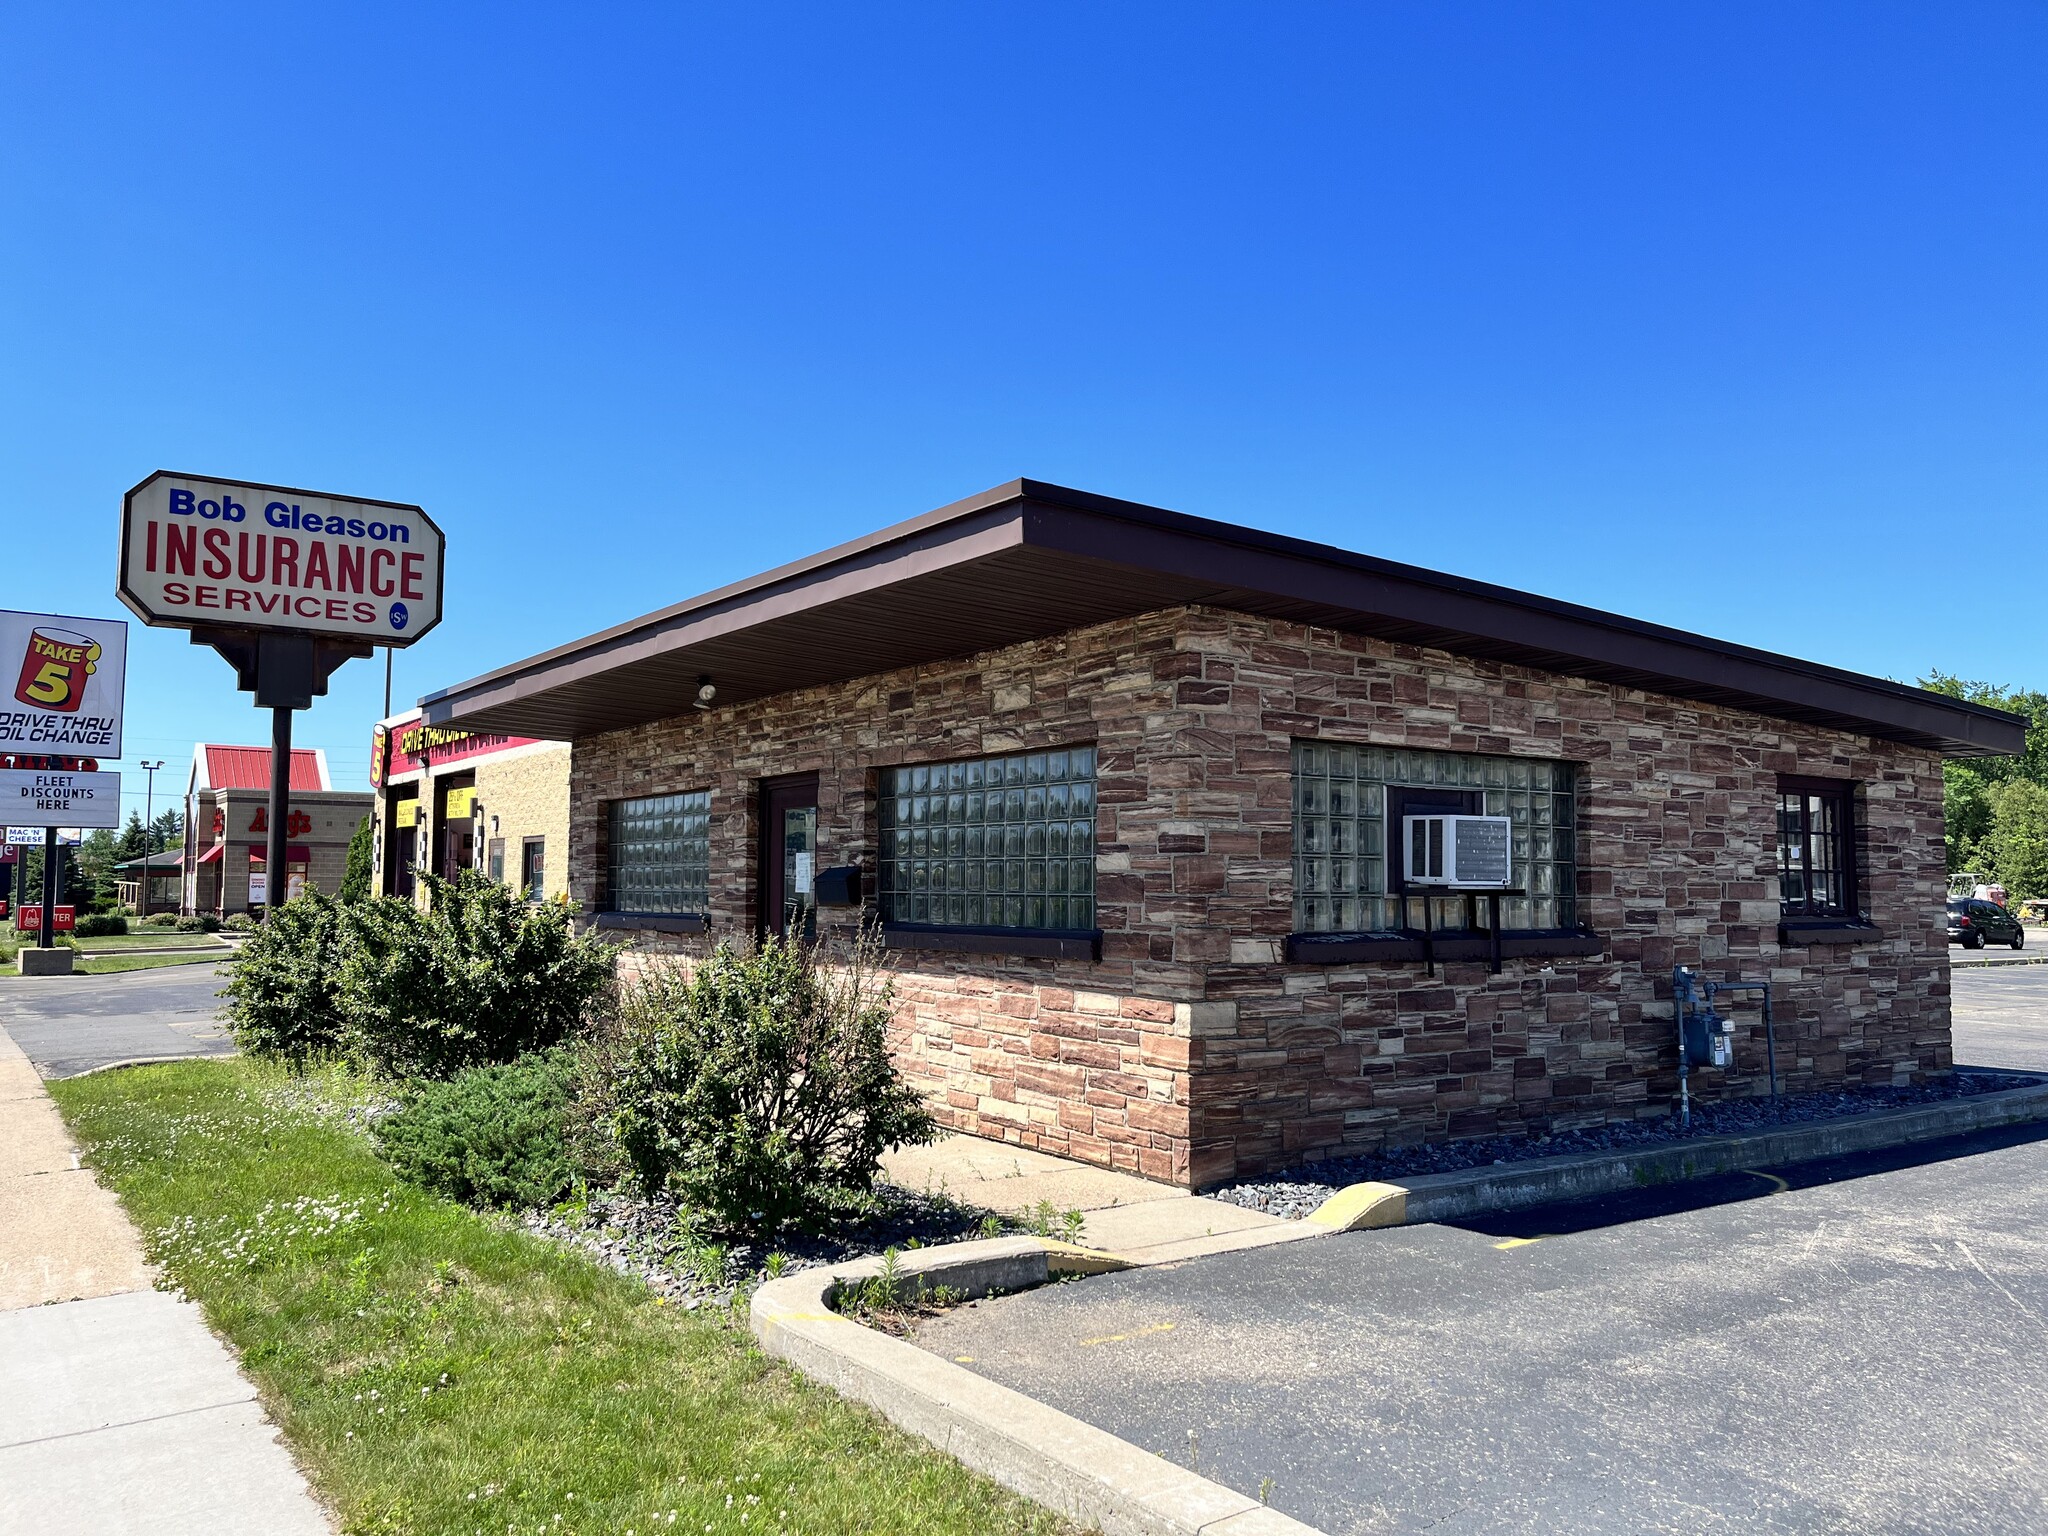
[
  {"x": 1860, "y": 1345},
  {"x": 69, "y": 1025}
]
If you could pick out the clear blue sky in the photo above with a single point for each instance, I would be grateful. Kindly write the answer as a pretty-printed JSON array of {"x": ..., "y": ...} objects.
[{"x": 1727, "y": 316}]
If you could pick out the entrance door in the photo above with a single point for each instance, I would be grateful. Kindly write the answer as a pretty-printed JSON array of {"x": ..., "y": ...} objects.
[{"x": 788, "y": 858}]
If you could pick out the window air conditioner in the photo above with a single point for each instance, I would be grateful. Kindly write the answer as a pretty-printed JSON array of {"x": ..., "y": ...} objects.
[{"x": 1459, "y": 853}]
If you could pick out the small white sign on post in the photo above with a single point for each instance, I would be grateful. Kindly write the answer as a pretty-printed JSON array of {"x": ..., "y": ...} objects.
[
  {"x": 33, "y": 797},
  {"x": 199, "y": 553},
  {"x": 66, "y": 678},
  {"x": 31, "y": 836}
]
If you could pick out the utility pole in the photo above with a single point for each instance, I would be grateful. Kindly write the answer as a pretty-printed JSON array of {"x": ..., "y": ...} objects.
[{"x": 148, "y": 828}]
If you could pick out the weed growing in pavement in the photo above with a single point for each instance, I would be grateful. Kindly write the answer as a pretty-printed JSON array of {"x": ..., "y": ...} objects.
[{"x": 1047, "y": 1220}]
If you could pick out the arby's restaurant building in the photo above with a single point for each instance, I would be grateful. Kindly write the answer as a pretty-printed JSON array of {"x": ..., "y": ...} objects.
[
  {"x": 1131, "y": 798},
  {"x": 227, "y": 828}
]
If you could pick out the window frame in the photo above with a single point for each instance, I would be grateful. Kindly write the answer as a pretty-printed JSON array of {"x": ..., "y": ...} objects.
[
  {"x": 1065, "y": 942},
  {"x": 614, "y": 914},
  {"x": 1806, "y": 789},
  {"x": 527, "y": 845},
  {"x": 1458, "y": 921}
]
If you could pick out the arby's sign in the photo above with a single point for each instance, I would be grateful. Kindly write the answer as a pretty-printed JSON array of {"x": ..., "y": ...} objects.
[{"x": 237, "y": 555}]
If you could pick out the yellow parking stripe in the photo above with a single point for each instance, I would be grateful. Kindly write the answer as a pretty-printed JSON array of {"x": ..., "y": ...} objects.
[{"x": 1135, "y": 1333}]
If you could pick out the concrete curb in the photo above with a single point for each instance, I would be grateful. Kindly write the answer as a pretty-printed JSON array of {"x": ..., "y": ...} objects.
[
  {"x": 1083, "y": 1473},
  {"x": 1973, "y": 965},
  {"x": 1512, "y": 1186}
]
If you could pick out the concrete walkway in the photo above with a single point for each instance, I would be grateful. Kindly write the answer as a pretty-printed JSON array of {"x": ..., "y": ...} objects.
[
  {"x": 1152, "y": 1223},
  {"x": 119, "y": 1410}
]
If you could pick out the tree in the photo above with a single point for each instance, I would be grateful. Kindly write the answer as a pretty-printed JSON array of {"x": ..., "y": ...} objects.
[
  {"x": 2015, "y": 848},
  {"x": 355, "y": 879},
  {"x": 167, "y": 831},
  {"x": 1970, "y": 782},
  {"x": 97, "y": 856},
  {"x": 134, "y": 838}
]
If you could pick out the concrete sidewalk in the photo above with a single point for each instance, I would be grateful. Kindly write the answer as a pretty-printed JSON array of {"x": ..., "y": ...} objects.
[
  {"x": 1122, "y": 1213},
  {"x": 119, "y": 1410}
]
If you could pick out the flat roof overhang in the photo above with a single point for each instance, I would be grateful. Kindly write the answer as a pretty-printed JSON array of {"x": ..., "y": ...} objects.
[{"x": 1028, "y": 560}]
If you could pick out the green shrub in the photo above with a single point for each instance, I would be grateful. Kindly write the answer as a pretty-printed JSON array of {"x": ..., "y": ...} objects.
[
  {"x": 198, "y": 922},
  {"x": 761, "y": 1088},
  {"x": 355, "y": 879},
  {"x": 282, "y": 992},
  {"x": 99, "y": 925},
  {"x": 479, "y": 977},
  {"x": 239, "y": 922},
  {"x": 488, "y": 1136},
  {"x": 161, "y": 920}
]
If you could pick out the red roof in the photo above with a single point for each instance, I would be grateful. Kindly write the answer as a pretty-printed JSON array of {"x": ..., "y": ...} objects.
[{"x": 249, "y": 768}]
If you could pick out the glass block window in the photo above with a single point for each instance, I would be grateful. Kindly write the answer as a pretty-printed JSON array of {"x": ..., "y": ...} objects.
[
  {"x": 994, "y": 842},
  {"x": 1345, "y": 877},
  {"x": 1813, "y": 849},
  {"x": 661, "y": 854}
]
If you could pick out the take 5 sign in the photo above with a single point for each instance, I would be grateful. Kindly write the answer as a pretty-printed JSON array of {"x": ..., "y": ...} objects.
[
  {"x": 220, "y": 554},
  {"x": 61, "y": 684}
]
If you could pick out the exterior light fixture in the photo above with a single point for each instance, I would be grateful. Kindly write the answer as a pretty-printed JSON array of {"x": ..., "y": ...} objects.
[{"x": 705, "y": 693}]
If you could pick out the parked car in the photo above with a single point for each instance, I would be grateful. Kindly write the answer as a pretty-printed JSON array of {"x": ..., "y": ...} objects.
[{"x": 1973, "y": 924}]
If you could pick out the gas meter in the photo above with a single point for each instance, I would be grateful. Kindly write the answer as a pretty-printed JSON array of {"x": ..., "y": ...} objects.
[{"x": 1708, "y": 1039}]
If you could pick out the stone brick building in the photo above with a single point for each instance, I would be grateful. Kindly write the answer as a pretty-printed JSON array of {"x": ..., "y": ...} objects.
[
  {"x": 1127, "y": 793},
  {"x": 449, "y": 800}
]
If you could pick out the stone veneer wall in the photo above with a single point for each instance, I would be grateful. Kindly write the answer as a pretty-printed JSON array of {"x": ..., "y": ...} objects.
[
  {"x": 1192, "y": 1053},
  {"x": 1677, "y": 865}
]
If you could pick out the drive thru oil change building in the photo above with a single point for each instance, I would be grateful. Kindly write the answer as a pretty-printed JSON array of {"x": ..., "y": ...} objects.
[
  {"x": 1130, "y": 794},
  {"x": 449, "y": 800}
]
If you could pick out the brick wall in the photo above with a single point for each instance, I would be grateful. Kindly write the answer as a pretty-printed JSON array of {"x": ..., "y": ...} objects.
[
  {"x": 334, "y": 815},
  {"x": 1191, "y": 1052},
  {"x": 527, "y": 790}
]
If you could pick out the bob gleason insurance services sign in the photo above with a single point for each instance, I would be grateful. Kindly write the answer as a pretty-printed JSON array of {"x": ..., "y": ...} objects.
[{"x": 233, "y": 554}]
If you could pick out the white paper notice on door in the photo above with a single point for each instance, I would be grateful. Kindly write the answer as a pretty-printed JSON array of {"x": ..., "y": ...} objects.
[{"x": 801, "y": 876}]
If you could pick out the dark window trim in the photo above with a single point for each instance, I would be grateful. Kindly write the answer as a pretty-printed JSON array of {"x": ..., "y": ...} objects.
[
  {"x": 1848, "y": 914},
  {"x": 988, "y": 936},
  {"x": 525, "y": 883},
  {"x": 1071, "y": 944},
  {"x": 655, "y": 922},
  {"x": 607, "y": 817},
  {"x": 1406, "y": 947},
  {"x": 1821, "y": 930}
]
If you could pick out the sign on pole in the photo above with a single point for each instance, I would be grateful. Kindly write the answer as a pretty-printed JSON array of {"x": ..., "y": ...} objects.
[
  {"x": 199, "y": 553},
  {"x": 24, "y": 835},
  {"x": 66, "y": 678},
  {"x": 41, "y": 798},
  {"x": 285, "y": 584}
]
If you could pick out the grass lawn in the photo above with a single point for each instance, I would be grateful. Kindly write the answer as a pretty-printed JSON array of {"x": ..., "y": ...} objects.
[
  {"x": 90, "y": 964},
  {"x": 437, "y": 1373},
  {"x": 155, "y": 938}
]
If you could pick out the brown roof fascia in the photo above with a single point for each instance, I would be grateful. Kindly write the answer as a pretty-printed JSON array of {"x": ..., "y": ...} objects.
[{"x": 1230, "y": 566}]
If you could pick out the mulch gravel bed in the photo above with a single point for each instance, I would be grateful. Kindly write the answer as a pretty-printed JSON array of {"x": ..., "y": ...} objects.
[
  {"x": 1299, "y": 1191},
  {"x": 663, "y": 1244}
]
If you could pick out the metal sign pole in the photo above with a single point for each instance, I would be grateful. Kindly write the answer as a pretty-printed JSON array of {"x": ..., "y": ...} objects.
[
  {"x": 49, "y": 887},
  {"x": 275, "y": 890}
]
